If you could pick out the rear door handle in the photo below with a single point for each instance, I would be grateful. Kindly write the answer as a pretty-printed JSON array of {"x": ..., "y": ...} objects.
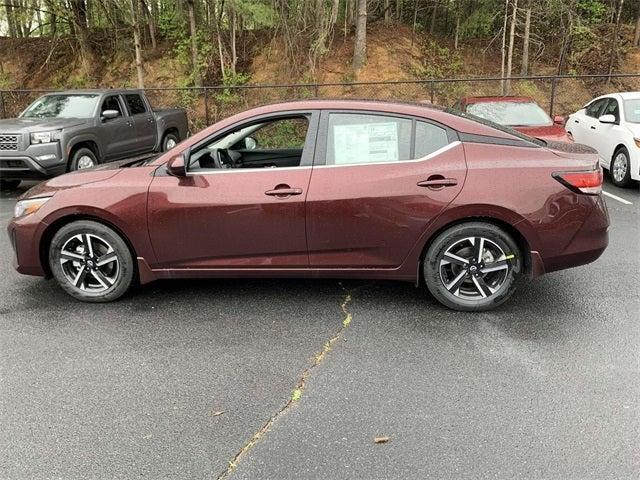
[
  {"x": 283, "y": 192},
  {"x": 592, "y": 127},
  {"x": 436, "y": 182},
  {"x": 576, "y": 121}
]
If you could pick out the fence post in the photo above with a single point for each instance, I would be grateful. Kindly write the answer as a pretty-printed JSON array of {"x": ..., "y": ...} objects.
[
  {"x": 2, "y": 107},
  {"x": 317, "y": 90},
  {"x": 433, "y": 91},
  {"x": 553, "y": 96},
  {"x": 206, "y": 106}
]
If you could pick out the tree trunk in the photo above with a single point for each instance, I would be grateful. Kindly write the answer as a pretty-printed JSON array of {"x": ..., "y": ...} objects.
[
  {"x": 360, "y": 45},
  {"x": 614, "y": 42},
  {"x": 457, "y": 33},
  {"x": 434, "y": 15},
  {"x": 387, "y": 11},
  {"x": 512, "y": 36},
  {"x": 10, "y": 18},
  {"x": 193, "y": 32},
  {"x": 503, "y": 49},
  {"x": 81, "y": 28},
  {"x": 151, "y": 23},
  {"x": 335, "y": 6},
  {"x": 136, "y": 42},
  {"x": 636, "y": 35},
  {"x": 234, "y": 50},
  {"x": 524, "y": 69}
]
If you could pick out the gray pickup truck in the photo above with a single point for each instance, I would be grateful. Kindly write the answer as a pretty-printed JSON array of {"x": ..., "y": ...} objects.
[{"x": 66, "y": 131}]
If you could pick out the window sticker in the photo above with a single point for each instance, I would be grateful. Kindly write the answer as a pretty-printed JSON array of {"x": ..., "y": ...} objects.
[{"x": 365, "y": 143}]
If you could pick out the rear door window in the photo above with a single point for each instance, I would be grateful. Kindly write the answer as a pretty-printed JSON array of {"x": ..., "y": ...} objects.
[{"x": 135, "y": 104}]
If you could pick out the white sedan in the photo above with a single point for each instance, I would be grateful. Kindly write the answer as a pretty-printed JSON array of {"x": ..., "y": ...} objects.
[{"x": 611, "y": 125}]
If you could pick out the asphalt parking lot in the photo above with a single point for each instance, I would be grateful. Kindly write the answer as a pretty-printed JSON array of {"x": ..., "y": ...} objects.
[{"x": 195, "y": 379}]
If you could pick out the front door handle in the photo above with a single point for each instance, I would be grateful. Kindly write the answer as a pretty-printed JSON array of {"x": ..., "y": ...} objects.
[
  {"x": 436, "y": 182},
  {"x": 592, "y": 127},
  {"x": 576, "y": 121},
  {"x": 283, "y": 191}
]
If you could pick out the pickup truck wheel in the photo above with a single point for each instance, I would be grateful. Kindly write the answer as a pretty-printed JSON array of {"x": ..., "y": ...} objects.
[
  {"x": 9, "y": 184},
  {"x": 169, "y": 141},
  {"x": 83, "y": 158}
]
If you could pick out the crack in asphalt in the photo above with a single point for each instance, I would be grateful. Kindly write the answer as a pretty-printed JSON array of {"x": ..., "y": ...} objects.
[{"x": 297, "y": 392}]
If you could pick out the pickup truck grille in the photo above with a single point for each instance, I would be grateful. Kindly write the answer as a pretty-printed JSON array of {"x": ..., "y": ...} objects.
[{"x": 8, "y": 142}]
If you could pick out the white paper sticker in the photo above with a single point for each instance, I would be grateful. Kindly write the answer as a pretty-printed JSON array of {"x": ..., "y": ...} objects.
[{"x": 365, "y": 143}]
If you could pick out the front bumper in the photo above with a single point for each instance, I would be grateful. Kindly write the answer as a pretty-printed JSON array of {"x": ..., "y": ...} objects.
[
  {"x": 36, "y": 162},
  {"x": 25, "y": 234}
]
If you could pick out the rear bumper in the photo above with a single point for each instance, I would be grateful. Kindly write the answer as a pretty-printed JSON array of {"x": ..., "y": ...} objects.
[{"x": 589, "y": 242}]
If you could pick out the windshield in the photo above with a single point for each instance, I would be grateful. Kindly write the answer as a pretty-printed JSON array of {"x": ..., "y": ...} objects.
[
  {"x": 632, "y": 110},
  {"x": 62, "y": 106},
  {"x": 497, "y": 126},
  {"x": 511, "y": 113}
]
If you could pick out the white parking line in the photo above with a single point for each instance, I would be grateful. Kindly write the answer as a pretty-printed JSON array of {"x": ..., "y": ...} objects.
[{"x": 615, "y": 197}]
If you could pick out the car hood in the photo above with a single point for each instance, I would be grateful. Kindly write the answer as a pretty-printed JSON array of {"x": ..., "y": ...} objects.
[
  {"x": 553, "y": 132},
  {"x": 17, "y": 125},
  {"x": 74, "y": 179}
]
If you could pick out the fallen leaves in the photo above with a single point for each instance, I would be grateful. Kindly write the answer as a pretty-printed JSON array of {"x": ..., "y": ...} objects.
[{"x": 381, "y": 439}]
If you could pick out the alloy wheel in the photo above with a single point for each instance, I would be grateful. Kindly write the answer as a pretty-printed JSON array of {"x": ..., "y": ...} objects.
[
  {"x": 619, "y": 170},
  {"x": 171, "y": 143},
  {"x": 89, "y": 263},
  {"x": 474, "y": 268},
  {"x": 85, "y": 161}
]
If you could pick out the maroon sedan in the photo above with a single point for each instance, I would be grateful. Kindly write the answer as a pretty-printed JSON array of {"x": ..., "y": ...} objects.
[
  {"x": 520, "y": 113},
  {"x": 357, "y": 189}
]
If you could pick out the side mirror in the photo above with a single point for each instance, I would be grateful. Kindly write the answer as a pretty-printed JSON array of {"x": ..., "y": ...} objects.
[
  {"x": 608, "y": 118},
  {"x": 176, "y": 166},
  {"x": 250, "y": 143},
  {"x": 110, "y": 114},
  {"x": 558, "y": 120}
]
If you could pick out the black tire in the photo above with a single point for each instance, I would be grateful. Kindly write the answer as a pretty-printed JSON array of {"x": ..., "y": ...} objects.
[
  {"x": 80, "y": 157},
  {"x": 617, "y": 178},
  {"x": 440, "y": 272},
  {"x": 7, "y": 184},
  {"x": 99, "y": 283},
  {"x": 167, "y": 139}
]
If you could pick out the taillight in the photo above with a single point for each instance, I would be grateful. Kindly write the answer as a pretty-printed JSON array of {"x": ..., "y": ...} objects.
[{"x": 589, "y": 182}]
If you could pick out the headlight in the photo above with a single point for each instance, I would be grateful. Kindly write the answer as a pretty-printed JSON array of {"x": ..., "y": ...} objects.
[
  {"x": 45, "y": 137},
  {"x": 26, "y": 207}
]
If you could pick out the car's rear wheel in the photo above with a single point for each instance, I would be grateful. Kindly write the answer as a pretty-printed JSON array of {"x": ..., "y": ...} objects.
[
  {"x": 472, "y": 266},
  {"x": 169, "y": 141},
  {"x": 6, "y": 184},
  {"x": 83, "y": 158},
  {"x": 621, "y": 168},
  {"x": 91, "y": 262}
]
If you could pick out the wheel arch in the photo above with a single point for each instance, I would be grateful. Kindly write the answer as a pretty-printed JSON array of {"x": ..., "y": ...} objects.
[
  {"x": 54, "y": 227},
  {"x": 83, "y": 143}
]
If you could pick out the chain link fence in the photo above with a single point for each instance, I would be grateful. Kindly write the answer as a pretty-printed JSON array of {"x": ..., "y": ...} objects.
[{"x": 559, "y": 95}]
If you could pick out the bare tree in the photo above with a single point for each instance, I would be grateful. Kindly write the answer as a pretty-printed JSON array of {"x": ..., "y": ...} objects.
[
  {"x": 503, "y": 49},
  {"x": 636, "y": 34},
  {"x": 360, "y": 45},
  {"x": 135, "y": 24},
  {"x": 614, "y": 42},
  {"x": 512, "y": 35},
  {"x": 524, "y": 69},
  {"x": 195, "y": 64}
]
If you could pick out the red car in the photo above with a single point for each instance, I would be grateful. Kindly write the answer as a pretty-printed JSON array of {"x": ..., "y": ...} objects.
[
  {"x": 520, "y": 113},
  {"x": 357, "y": 189}
]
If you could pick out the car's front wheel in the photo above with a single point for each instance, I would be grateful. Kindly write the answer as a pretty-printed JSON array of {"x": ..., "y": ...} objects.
[
  {"x": 472, "y": 266},
  {"x": 621, "y": 168},
  {"x": 91, "y": 262}
]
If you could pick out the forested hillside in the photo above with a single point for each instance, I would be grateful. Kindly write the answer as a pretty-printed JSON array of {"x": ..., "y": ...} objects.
[{"x": 191, "y": 43}]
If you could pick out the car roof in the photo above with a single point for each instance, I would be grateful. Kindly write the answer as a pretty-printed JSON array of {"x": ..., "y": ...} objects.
[
  {"x": 497, "y": 98},
  {"x": 95, "y": 91},
  {"x": 629, "y": 95}
]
